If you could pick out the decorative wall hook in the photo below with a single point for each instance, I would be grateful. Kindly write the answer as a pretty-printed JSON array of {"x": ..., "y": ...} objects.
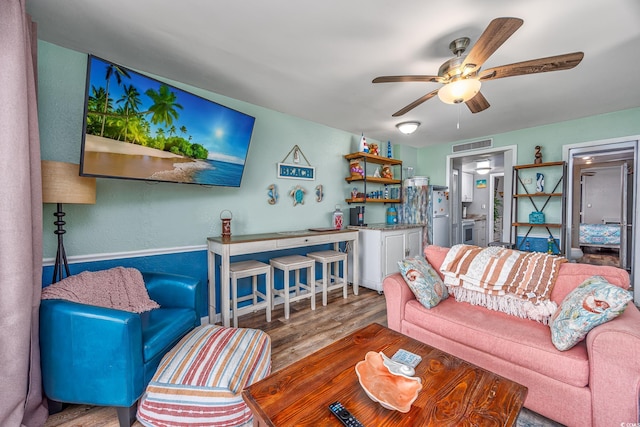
[
  {"x": 319, "y": 193},
  {"x": 273, "y": 194}
]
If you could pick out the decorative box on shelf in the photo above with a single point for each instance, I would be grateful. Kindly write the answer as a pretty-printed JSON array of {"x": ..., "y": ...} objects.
[{"x": 536, "y": 218}]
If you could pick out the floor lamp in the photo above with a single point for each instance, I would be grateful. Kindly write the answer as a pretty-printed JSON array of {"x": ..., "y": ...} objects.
[{"x": 62, "y": 183}]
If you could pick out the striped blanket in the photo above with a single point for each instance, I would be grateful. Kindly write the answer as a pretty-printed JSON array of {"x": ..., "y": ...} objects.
[{"x": 514, "y": 282}]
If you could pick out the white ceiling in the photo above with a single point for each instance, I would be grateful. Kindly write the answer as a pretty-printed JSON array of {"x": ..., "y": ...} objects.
[{"x": 316, "y": 59}]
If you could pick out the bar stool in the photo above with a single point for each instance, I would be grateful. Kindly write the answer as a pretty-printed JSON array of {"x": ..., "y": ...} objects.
[
  {"x": 295, "y": 263},
  {"x": 331, "y": 281},
  {"x": 253, "y": 269}
]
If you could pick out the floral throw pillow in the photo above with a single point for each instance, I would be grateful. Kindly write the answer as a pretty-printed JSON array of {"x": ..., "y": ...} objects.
[
  {"x": 593, "y": 303},
  {"x": 423, "y": 280}
]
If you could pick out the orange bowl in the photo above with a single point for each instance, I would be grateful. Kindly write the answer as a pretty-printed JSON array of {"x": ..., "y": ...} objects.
[{"x": 395, "y": 392}]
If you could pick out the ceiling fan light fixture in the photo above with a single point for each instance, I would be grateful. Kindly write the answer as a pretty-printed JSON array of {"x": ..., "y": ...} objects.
[
  {"x": 408, "y": 127},
  {"x": 459, "y": 91}
]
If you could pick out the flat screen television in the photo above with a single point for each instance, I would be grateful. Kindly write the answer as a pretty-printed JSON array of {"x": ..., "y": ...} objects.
[{"x": 136, "y": 127}]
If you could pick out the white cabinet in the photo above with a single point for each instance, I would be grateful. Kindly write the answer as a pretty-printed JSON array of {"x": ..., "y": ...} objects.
[
  {"x": 380, "y": 250},
  {"x": 466, "y": 187},
  {"x": 413, "y": 241},
  {"x": 480, "y": 232}
]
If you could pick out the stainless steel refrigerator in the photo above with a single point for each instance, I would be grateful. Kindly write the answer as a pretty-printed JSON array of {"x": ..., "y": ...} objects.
[{"x": 427, "y": 205}]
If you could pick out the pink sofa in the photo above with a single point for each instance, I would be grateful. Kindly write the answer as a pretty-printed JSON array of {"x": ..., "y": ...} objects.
[{"x": 595, "y": 383}]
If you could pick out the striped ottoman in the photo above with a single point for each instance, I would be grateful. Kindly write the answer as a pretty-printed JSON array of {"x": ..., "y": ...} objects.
[{"x": 200, "y": 381}]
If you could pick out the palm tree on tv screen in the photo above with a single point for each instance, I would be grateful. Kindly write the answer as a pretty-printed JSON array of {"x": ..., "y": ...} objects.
[
  {"x": 117, "y": 72},
  {"x": 131, "y": 101},
  {"x": 97, "y": 102},
  {"x": 127, "y": 123},
  {"x": 164, "y": 105}
]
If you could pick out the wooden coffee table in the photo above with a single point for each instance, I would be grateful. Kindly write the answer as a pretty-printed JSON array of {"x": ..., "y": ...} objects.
[{"x": 454, "y": 392}]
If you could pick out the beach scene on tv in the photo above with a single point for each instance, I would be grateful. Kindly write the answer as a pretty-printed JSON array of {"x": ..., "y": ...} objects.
[{"x": 140, "y": 128}]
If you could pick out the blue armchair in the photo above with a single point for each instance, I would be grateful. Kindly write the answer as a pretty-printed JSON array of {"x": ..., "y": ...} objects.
[{"x": 101, "y": 356}]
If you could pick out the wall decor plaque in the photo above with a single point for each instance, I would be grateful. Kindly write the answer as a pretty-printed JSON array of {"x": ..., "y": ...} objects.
[{"x": 295, "y": 170}]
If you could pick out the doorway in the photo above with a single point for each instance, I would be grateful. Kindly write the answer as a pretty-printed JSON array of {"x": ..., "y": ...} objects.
[
  {"x": 501, "y": 159},
  {"x": 602, "y": 211},
  {"x": 601, "y": 203}
]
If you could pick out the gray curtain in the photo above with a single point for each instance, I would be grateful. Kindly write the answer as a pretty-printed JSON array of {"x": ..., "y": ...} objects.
[{"x": 21, "y": 401}]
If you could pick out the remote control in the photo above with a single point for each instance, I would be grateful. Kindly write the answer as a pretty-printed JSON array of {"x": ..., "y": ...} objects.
[
  {"x": 406, "y": 358},
  {"x": 343, "y": 415}
]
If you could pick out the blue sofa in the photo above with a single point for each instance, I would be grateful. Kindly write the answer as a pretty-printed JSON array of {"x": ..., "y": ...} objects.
[{"x": 101, "y": 356}]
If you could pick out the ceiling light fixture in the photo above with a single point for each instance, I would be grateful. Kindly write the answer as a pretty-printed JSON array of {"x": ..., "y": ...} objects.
[
  {"x": 483, "y": 167},
  {"x": 460, "y": 90},
  {"x": 408, "y": 127}
]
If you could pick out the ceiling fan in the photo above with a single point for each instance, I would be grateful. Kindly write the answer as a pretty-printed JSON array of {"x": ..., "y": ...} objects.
[{"x": 462, "y": 76}]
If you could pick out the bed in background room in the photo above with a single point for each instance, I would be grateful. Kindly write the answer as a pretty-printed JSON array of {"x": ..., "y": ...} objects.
[{"x": 600, "y": 235}]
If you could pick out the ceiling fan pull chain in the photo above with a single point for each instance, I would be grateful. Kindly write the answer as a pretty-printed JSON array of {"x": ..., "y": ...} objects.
[{"x": 458, "y": 126}]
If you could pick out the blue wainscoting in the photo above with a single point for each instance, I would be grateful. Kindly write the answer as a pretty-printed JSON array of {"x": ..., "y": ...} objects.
[
  {"x": 536, "y": 244},
  {"x": 189, "y": 263}
]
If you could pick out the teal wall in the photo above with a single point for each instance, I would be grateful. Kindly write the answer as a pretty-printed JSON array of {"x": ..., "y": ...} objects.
[
  {"x": 139, "y": 216},
  {"x": 164, "y": 226},
  {"x": 550, "y": 137}
]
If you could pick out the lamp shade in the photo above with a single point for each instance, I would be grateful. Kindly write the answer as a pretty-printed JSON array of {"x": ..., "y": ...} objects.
[
  {"x": 62, "y": 183},
  {"x": 459, "y": 91}
]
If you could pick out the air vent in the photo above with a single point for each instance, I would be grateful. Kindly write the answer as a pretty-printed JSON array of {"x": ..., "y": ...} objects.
[{"x": 475, "y": 145}]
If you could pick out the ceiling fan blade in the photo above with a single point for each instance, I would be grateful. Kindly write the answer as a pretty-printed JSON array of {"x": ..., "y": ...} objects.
[
  {"x": 540, "y": 65},
  {"x": 496, "y": 33},
  {"x": 415, "y": 103},
  {"x": 478, "y": 103},
  {"x": 394, "y": 79}
]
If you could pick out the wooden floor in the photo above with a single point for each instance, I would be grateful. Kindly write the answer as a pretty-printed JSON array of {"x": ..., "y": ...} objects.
[
  {"x": 303, "y": 333},
  {"x": 600, "y": 256}
]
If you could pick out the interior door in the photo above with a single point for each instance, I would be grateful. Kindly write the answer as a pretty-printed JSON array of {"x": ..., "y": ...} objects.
[
  {"x": 456, "y": 205},
  {"x": 496, "y": 208},
  {"x": 625, "y": 226}
]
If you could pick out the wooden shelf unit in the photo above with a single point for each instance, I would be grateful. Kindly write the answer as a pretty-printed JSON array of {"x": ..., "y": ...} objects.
[
  {"x": 369, "y": 200},
  {"x": 530, "y": 224},
  {"x": 378, "y": 160},
  {"x": 373, "y": 179},
  {"x": 372, "y": 158},
  {"x": 560, "y": 185}
]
